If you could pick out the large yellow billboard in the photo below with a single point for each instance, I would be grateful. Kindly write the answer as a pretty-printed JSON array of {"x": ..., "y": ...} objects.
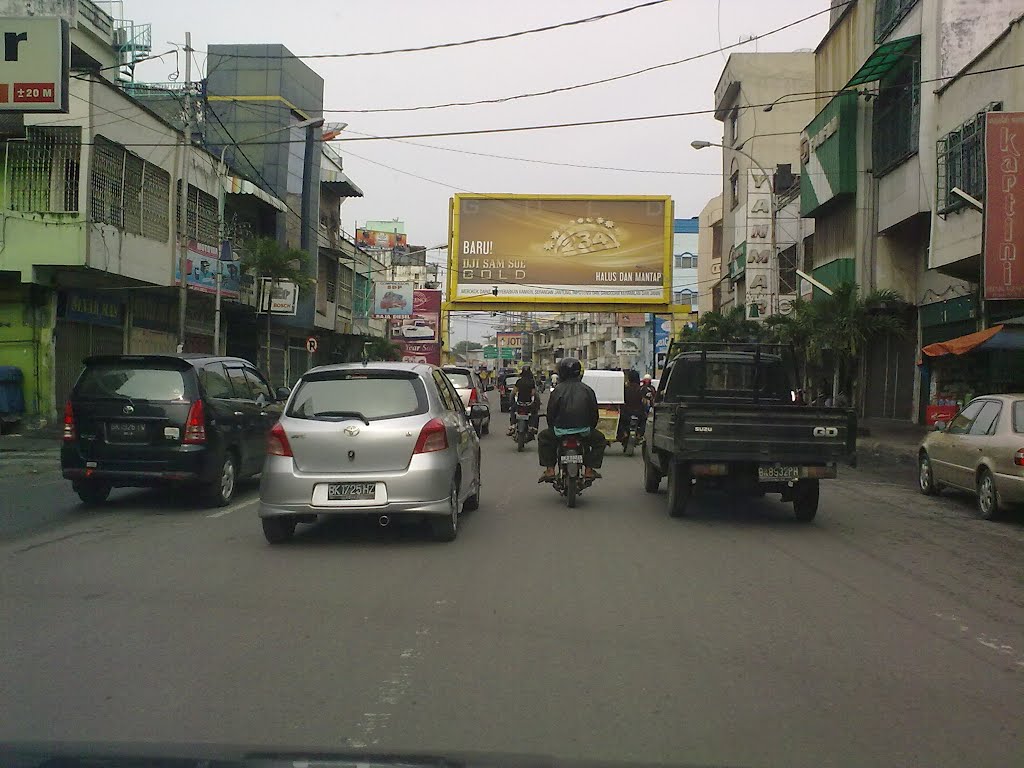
[{"x": 560, "y": 249}]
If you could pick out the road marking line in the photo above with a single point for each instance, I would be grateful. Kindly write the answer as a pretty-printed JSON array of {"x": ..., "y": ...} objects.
[{"x": 236, "y": 507}]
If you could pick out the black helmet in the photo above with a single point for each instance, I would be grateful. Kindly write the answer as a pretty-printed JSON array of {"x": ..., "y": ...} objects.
[{"x": 569, "y": 368}]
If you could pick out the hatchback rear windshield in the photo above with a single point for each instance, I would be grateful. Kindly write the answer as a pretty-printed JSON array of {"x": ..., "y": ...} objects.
[
  {"x": 134, "y": 381},
  {"x": 372, "y": 394},
  {"x": 460, "y": 380}
]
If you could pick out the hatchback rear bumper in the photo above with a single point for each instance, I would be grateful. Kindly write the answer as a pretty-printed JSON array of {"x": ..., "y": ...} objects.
[{"x": 391, "y": 509}]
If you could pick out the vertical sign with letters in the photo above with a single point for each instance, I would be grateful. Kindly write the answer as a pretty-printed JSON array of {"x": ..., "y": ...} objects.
[
  {"x": 1004, "y": 213},
  {"x": 760, "y": 259}
]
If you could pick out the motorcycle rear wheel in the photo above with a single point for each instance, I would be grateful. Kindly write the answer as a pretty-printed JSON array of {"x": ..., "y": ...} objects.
[{"x": 571, "y": 491}]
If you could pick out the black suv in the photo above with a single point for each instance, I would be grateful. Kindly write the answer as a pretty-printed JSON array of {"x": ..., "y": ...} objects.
[{"x": 147, "y": 420}]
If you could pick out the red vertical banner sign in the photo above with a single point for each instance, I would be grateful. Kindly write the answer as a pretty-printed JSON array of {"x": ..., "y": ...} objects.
[{"x": 1004, "y": 206}]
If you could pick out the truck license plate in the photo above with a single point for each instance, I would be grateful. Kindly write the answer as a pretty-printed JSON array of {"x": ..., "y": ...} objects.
[
  {"x": 772, "y": 474},
  {"x": 572, "y": 458},
  {"x": 351, "y": 491}
]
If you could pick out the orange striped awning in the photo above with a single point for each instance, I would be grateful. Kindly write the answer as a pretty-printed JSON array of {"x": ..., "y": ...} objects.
[{"x": 962, "y": 344}]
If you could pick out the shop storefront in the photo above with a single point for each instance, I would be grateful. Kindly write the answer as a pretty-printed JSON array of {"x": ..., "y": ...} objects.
[
  {"x": 88, "y": 323},
  {"x": 979, "y": 363}
]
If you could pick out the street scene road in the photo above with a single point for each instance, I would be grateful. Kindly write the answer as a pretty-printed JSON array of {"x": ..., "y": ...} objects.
[{"x": 888, "y": 631}]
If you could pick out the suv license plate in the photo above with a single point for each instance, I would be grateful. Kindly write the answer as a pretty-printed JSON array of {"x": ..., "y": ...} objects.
[
  {"x": 772, "y": 474},
  {"x": 351, "y": 491},
  {"x": 572, "y": 458},
  {"x": 126, "y": 431}
]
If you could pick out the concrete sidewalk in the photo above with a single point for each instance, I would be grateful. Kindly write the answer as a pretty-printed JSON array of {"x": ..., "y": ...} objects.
[
  {"x": 882, "y": 440},
  {"x": 30, "y": 451}
]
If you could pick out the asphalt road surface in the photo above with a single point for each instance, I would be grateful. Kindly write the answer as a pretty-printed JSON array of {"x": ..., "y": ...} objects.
[{"x": 888, "y": 632}]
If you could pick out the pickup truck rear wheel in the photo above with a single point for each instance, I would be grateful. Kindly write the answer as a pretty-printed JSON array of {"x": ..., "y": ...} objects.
[
  {"x": 679, "y": 489},
  {"x": 652, "y": 478},
  {"x": 805, "y": 500}
]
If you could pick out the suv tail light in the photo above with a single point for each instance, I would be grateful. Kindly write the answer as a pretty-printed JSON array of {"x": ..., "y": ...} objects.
[
  {"x": 1018, "y": 458},
  {"x": 433, "y": 437},
  {"x": 277, "y": 442},
  {"x": 69, "y": 422},
  {"x": 195, "y": 425},
  {"x": 473, "y": 396}
]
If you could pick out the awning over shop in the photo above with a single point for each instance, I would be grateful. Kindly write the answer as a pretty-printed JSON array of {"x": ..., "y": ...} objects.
[
  {"x": 1004, "y": 337},
  {"x": 339, "y": 183},
  {"x": 885, "y": 57},
  {"x": 236, "y": 186}
]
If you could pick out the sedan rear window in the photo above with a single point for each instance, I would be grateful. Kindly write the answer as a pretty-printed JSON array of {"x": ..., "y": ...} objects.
[
  {"x": 1018, "y": 416},
  {"x": 134, "y": 381},
  {"x": 371, "y": 395},
  {"x": 460, "y": 380}
]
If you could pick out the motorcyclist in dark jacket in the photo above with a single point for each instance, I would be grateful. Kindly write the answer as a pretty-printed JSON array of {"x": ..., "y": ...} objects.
[{"x": 572, "y": 409}]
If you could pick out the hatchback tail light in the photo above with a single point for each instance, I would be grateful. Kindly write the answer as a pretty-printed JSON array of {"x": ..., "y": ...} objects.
[
  {"x": 1018, "y": 458},
  {"x": 195, "y": 425},
  {"x": 69, "y": 422},
  {"x": 433, "y": 437},
  {"x": 277, "y": 441}
]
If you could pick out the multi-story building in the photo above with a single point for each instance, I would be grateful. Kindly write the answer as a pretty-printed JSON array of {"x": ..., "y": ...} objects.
[
  {"x": 709, "y": 255},
  {"x": 759, "y": 154},
  {"x": 875, "y": 185},
  {"x": 90, "y": 220}
]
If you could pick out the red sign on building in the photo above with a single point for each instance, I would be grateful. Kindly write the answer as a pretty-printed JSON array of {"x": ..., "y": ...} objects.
[{"x": 1004, "y": 206}]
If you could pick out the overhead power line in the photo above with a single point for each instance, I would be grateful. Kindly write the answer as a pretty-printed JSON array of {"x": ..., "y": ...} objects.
[{"x": 456, "y": 44}]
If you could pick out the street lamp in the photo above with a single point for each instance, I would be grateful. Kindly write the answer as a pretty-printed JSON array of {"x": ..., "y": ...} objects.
[
  {"x": 222, "y": 174},
  {"x": 701, "y": 144}
]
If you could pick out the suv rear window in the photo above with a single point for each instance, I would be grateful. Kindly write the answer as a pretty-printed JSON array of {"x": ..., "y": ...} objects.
[
  {"x": 373, "y": 394},
  {"x": 138, "y": 381},
  {"x": 459, "y": 379}
]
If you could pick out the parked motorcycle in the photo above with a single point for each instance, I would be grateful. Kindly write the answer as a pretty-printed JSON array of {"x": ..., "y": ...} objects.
[
  {"x": 569, "y": 478},
  {"x": 523, "y": 432}
]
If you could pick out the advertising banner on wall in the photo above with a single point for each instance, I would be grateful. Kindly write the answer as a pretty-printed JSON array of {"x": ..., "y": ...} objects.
[
  {"x": 1004, "y": 217},
  {"x": 377, "y": 242},
  {"x": 630, "y": 320},
  {"x": 391, "y": 299},
  {"x": 559, "y": 249},
  {"x": 420, "y": 352},
  {"x": 202, "y": 265},
  {"x": 279, "y": 298}
]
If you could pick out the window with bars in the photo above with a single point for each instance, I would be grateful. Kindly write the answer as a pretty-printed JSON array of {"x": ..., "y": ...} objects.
[
  {"x": 889, "y": 14},
  {"x": 202, "y": 222},
  {"x": 897, "y": 114},
  {"x": 127, "y": 192},
  {"x": 960, "y": 161},
  {"x": 685, "y": 261},
  {"x": 43, "y": 171}
]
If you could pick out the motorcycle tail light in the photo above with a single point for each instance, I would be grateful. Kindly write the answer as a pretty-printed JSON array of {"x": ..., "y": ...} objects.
[{"x": 571, "y": 442}]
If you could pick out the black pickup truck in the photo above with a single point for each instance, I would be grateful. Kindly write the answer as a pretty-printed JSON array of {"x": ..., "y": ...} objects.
[{"x": 725, "y": 416}]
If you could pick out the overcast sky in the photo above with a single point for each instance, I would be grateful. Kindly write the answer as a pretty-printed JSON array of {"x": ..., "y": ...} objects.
[{"x": 662, "y": 33}]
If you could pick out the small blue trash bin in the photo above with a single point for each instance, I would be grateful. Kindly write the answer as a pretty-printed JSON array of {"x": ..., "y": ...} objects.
[{"x": 12, "y": 399}]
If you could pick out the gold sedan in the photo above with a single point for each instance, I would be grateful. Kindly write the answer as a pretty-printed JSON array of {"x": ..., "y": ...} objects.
[{"x": 981, "y": 450}]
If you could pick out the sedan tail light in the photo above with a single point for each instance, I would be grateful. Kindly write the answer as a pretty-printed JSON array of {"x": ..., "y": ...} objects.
[
  {"x": 195, "y": 425},
  {"x": 1018, "y": 458},
  {"x": 277, "y": 441},
  {"x": 433, "y": 437},
  {"x": 69, "y": 421}
]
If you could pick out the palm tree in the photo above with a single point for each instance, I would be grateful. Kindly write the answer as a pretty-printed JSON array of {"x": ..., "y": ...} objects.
[
  {"x": 728, "y": 326},
  {"x": 266, "y": 258},
  {"x": 378, "y": 348},
  {"x": 796, "y": 331},
  {"x": 845, "y": 322}
]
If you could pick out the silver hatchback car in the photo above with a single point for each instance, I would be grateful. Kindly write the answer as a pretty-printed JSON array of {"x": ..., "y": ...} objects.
[{"x": 389, "y": 439}]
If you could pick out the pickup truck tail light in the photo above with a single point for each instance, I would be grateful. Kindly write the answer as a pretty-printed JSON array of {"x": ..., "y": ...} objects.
[
  {"x": 709, "y": 470},
  {"x": 1018, "y": 458}
]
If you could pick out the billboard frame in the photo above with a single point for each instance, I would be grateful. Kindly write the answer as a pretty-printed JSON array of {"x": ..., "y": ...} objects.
[{"x": 487, "y": 300}]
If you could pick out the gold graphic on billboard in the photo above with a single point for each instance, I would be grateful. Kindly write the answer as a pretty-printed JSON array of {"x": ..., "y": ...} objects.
[{"x": 582, "y": 237}]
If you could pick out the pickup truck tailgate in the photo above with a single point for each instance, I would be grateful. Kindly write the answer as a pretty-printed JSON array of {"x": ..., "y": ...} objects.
[{"x": 785, "y": 434}]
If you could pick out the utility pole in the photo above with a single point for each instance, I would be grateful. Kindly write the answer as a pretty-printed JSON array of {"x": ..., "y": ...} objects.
[{"x": 183, "y": 199}]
